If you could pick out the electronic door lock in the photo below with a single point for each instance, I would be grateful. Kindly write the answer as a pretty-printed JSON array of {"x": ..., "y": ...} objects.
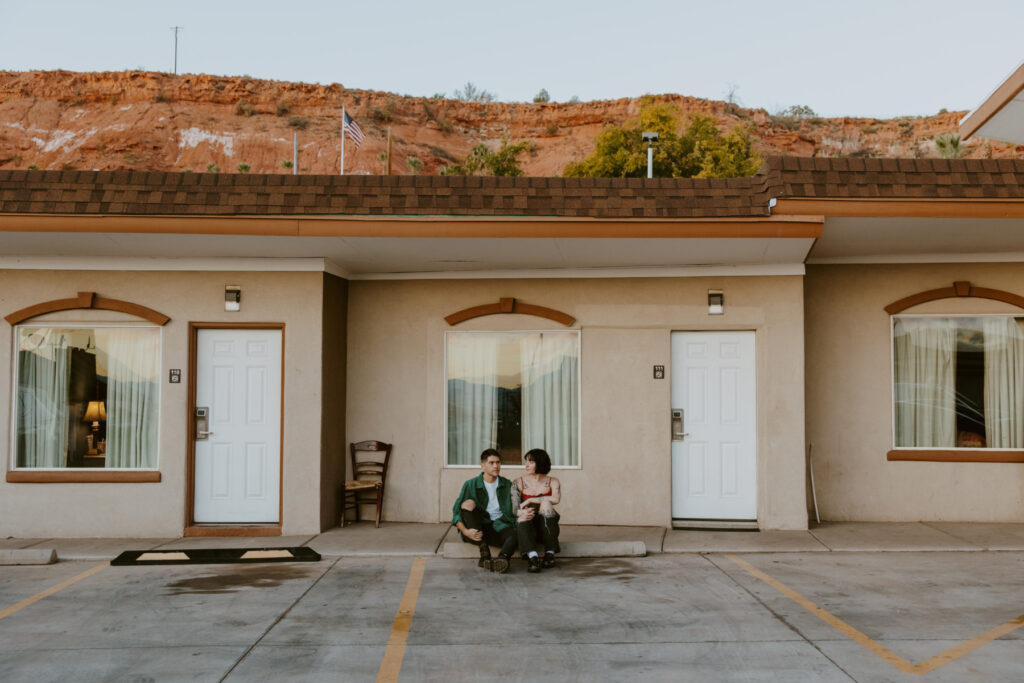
[
  {"x": 202, "y": 423},
  {"x": 677, "y": 425}
]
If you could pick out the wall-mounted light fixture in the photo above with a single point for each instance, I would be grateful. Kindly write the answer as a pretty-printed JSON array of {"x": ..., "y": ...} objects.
[
  {"x": 232, "y": 298},
  {"x": 716, "y": 302}
]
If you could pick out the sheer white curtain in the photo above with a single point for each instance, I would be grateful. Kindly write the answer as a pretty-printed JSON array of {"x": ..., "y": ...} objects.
[
  {"x": 44, "y": 374},
  {"x": 1004, "y": 383},
  {"x": 925, "y": 356},
  {"x": 472, "y": 396},
  {"x": 549, "y": 399},
  {"x": 133, "y": 366}
]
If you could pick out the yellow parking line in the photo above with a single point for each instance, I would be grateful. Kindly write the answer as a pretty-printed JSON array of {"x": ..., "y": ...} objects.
[
  {"x": 969, "y": 646},
  {"x": 51, "y": 590},
  {"x": 391, "y": 665},
  {"x": 885, "y": 653},
  {"x": 830, "y": 619}
]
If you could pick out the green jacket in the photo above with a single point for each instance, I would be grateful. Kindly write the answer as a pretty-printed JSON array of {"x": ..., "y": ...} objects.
[{"x": 474, "y": 490}]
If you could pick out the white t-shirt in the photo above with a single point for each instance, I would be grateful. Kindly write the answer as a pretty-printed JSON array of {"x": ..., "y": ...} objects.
[{"x": 493, "y": 508}]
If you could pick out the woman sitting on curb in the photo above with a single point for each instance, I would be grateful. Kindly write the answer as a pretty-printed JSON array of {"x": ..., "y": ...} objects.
[{"x": 534, "y": 496}]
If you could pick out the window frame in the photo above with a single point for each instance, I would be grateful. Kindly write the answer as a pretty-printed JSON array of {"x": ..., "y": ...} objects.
[
  {"x": 579, "y": 392},
  {"x": 81, "y": 474},
  {"x": 943, "y": 454}
]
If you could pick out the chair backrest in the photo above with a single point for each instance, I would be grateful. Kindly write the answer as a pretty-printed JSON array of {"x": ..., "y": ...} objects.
[{"x": 367, "y": 468}]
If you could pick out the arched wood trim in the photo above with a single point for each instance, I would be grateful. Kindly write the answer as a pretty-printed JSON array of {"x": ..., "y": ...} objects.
[
  {"x": 960, "y": 288},
  {"x": 87, "y": 300},
  {"x": 509, "y": 305}
]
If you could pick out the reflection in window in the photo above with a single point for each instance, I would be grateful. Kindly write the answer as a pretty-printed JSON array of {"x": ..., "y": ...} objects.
[
  {"x": 959, "y": 382},
  {"x": 513, "y": 391},
  {"x": 87, "y": 397}
]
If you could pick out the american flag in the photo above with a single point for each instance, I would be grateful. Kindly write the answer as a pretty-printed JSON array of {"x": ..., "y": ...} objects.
[{"x": 352, "y": 128}]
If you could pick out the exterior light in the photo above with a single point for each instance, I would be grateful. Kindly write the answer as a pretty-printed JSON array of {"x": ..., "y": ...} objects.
[
  {"x": 232, "y": 298},
  {"x": 716, "y": 302},
  {"x": 650, "y": 137}
]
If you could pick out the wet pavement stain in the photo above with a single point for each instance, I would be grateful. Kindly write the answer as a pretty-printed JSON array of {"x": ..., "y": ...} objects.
[
  {"x": 612, "y": 568},
  {"x": 231, "y": 580}
]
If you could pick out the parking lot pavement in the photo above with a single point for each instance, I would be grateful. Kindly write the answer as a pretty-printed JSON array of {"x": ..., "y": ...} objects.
[{"x": 671, "y": 617}]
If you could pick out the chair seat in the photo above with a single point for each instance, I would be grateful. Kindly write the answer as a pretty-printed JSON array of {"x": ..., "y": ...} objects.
[{"x": 361, "y": 485}]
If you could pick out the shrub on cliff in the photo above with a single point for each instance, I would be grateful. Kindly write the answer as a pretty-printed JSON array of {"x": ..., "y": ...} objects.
[
  {"x": 471, "y": 93},
  {"x": 948, "y": 146},
  {"x": 698, "y": 150},
  {"x": 482, "y": 161}
]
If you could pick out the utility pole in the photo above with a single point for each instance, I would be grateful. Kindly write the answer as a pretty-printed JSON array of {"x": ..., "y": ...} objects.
[
  {"x": 176, "y": 29},
  {"x": 389, "y": 151}
]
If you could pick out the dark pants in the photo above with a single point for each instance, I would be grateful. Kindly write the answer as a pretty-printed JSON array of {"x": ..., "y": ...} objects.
[
  {"x": 540, "y": 528},
  {"x": 478, "y": 519}
]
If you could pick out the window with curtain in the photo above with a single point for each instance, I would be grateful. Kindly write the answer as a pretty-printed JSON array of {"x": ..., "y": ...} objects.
[
  {"x": 513, "y": 391},
  {"x": 959, "y": 382},
  {"x": 87, "y": 397}
]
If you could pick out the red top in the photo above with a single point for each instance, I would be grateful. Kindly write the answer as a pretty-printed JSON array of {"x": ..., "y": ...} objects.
[{"x": 539, "y": 495}]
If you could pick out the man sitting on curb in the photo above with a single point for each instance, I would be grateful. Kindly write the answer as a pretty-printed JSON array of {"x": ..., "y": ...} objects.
[{"x": 483, "y": 513}]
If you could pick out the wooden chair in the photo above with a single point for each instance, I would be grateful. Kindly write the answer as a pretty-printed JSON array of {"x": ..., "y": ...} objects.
[{"x": 368, "y": 478}]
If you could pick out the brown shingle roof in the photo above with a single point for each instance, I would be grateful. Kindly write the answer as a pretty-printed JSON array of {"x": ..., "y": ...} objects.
[
  {"x": 201, "y": 194},
  {"x": 799, "y": 177},
  {"x": 159, "y": 193}
]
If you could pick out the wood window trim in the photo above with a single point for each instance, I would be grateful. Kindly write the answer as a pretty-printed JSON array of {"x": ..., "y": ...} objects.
[
  {"x": 87, "y": 300},
  {"x": 958, "y": 455},
  {"x": 509, "y": 305},
  {"x": 83, "y": 476},
  {"x": 960, "y": 288},
  {"x": 192, "y": 528}
]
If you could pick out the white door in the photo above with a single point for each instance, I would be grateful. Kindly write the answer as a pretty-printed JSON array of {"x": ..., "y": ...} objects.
[
  {"x": 238, "y": 465},
  {"x": 714, "y": 463}
]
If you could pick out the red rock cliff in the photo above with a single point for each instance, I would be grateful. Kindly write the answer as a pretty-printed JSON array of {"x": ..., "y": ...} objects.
[{"x": 155, "y": 121}]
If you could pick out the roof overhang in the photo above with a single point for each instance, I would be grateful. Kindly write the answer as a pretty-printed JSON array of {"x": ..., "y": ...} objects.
[
  {"x": 389, "y": 247},
  {"x": 1001, "y": 116}
]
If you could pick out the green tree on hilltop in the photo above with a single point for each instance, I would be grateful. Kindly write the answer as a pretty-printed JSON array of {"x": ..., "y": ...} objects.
[{"x": 698, "y": 150}]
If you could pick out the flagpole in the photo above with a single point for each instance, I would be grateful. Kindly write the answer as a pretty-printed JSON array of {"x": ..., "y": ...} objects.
[{"x": 343, "y": 140}]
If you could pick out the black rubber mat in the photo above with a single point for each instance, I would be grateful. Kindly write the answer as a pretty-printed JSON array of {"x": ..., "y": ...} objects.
[{"x": 216, "y": 556}]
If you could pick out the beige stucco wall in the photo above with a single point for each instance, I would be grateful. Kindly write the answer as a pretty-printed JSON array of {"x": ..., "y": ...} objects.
[
  {"x": 333, "y": 446},
  {"x": 849, "y": 399},
  {"x": 158, "y": 509},
  {"x": 396, "y": 386}
]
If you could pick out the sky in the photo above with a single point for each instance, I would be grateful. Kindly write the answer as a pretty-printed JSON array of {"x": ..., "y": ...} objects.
[{"x": 841, "y": 58}]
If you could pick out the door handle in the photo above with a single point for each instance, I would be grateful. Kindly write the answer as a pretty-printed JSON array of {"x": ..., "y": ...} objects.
[
  {"x": 202, "y": 423},
  {"x": 677, "y": 426}
]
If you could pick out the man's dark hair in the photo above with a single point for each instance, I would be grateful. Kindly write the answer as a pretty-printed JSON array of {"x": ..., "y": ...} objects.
[
  {"x": 488, "y": 453},
  {"x": 541, "y": 458}
]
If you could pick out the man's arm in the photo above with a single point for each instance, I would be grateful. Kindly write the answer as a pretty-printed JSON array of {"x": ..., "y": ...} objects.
[{"x": 457, "y": 508}]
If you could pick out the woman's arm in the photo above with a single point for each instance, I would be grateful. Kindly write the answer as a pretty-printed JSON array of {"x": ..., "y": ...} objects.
[
  {"x": 556, "y": 491},
  {"x": 517, "y": 495}
]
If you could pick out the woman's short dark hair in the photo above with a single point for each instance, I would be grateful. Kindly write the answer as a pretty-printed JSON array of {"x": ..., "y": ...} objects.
[
  {"x": 541, "y": 458},
  {"x": 488, "y": 453}
]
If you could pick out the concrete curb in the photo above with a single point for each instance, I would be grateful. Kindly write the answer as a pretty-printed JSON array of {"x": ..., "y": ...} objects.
[
  {"x": 468, "y": 551},
  {"x": 15, "y": 556}
]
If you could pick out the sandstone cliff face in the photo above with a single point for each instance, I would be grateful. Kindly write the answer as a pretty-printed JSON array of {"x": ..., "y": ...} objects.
[{"x": 154, "y": 121}]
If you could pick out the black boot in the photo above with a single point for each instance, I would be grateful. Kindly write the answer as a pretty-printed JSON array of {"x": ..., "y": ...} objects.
[
  {"x": 501, "y": 563},
  {"x": 534, "y": 564},
  {"x": 549, "y": 561},
  {"x": 485, "y": 557}
]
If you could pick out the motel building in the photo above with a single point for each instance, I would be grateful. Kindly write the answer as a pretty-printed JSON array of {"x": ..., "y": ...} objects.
[{"x": 193, "y": 353}]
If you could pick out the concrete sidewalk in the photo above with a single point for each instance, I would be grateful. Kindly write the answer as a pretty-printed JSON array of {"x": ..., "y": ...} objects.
[{"x": 410, "y": 539}]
